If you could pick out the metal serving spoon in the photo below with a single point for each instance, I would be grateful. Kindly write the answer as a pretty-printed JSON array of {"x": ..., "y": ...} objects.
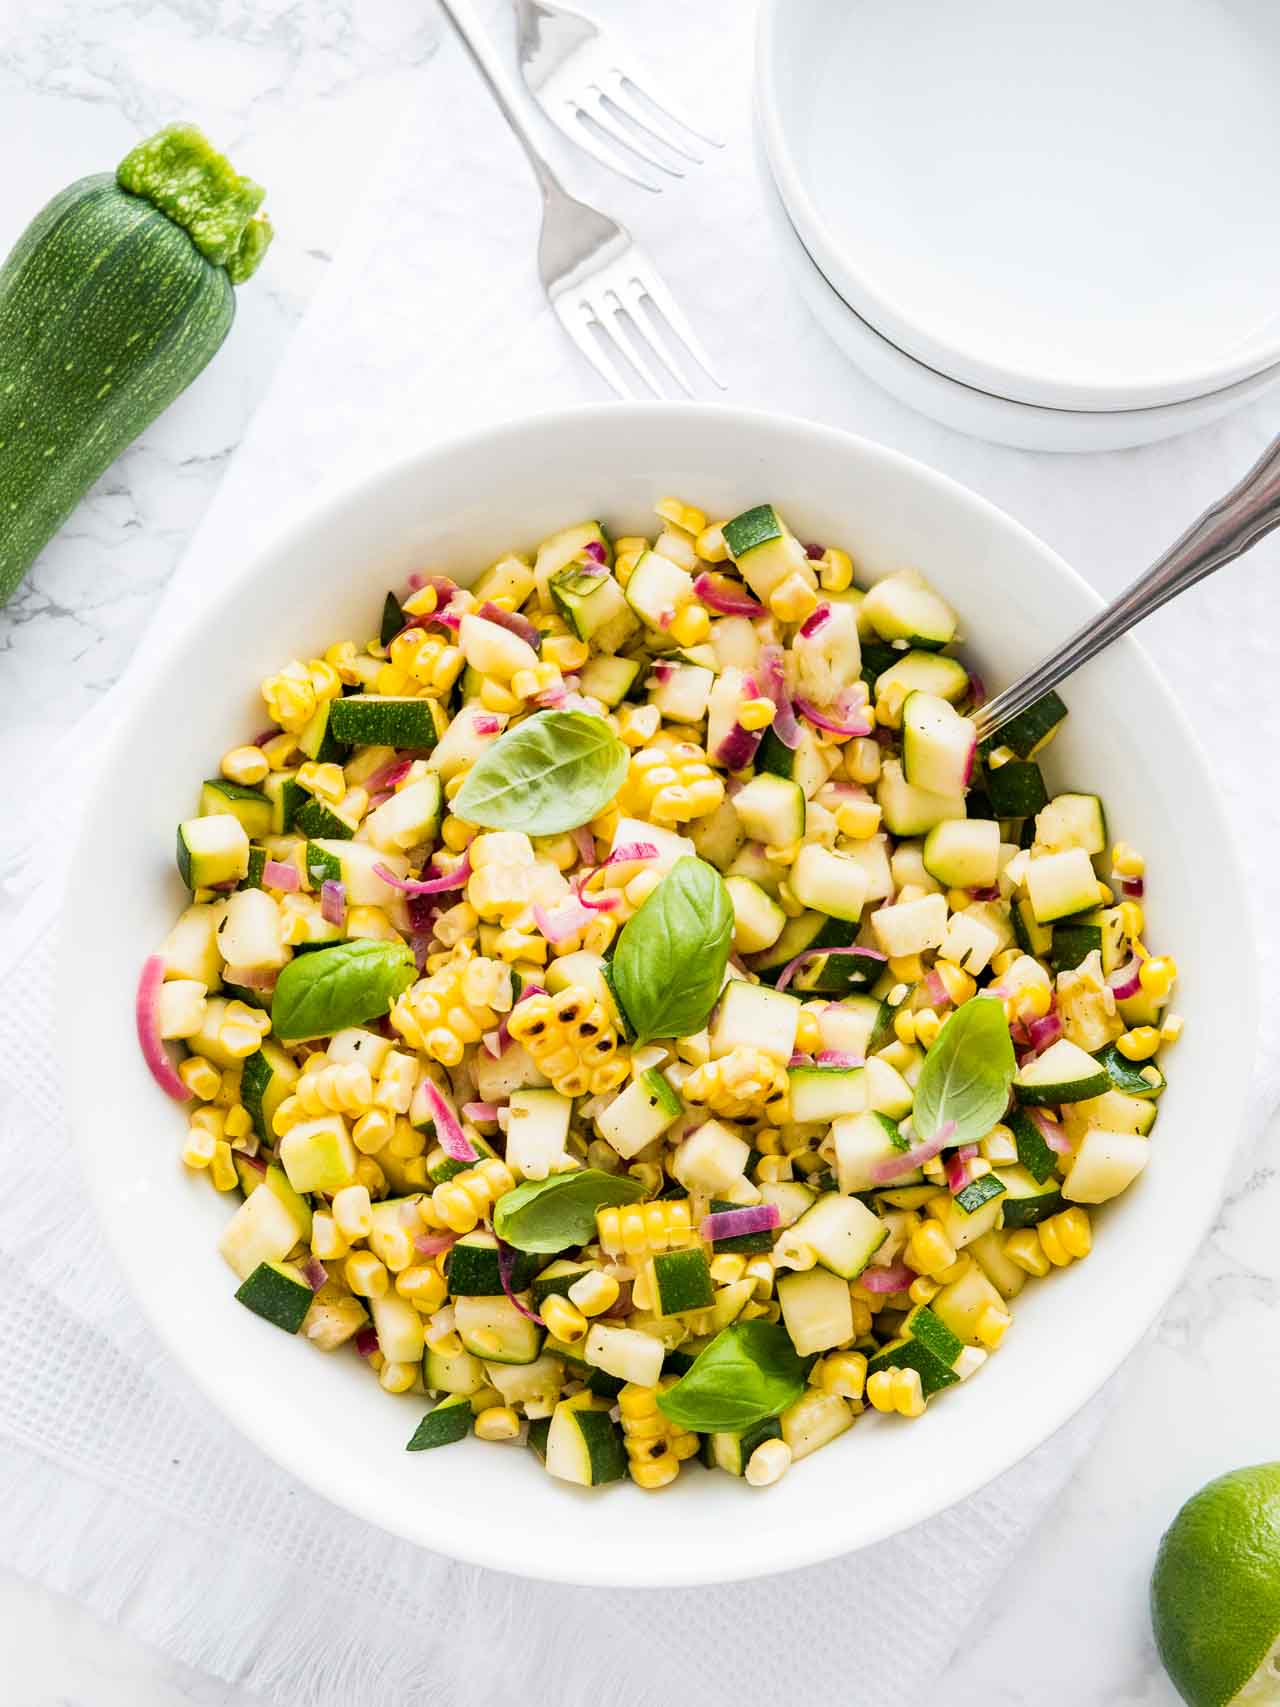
[{"x": 1225, "y": 531}]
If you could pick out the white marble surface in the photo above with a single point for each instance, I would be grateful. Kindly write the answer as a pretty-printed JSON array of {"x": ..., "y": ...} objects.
[{"x": 299, "y": 94}]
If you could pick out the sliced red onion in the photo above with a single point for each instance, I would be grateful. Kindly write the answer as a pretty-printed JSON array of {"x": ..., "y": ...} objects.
[
  {"x": 736, "y": 751},
  {"x": 621, "y": 1306},
  {"x": 595, "y": 551},
  {"x": 146, "y": 1013},
  {"x": 719, "y": 594},
  {"x": 800, "y": 1059},
  {"x": 585, "y": 843},
  {"x": 815, "y": 552},
  {"x": 597, "y": 903},
  {"x": 431, "y": 886},
  {"x": 415, "y": 582},
  {"x": 252, "y": 977},
  {"x": 367, "y": 1341},
  {"x": 957, "y": 1171},
  {"x": 793, "y": 966},
  {"x": 816, "y": 620},
  {"x": 970, "y": 761},
  {"x": 1133, "y": 888},
  {"x": 894, "y": 1279},
  {"x": 453, "y": 1140},
  {"x": 936, "y": 991},
  {"x": 263, "y": 736},
  {"x": 485, "y": 723},
  {"x": 565, "y": 923},
  {"x": 905, "y": 1160},
  {"x": 333, "y": 901},
  {"x": 506, "y": 1267},
  {"x": 390, "y": 774},
  {"x": 431, "y": 1244},
  {"x": 631, "y": 852},
  {"x": 1125, "y": 982},
  {"x": 420, "y": 943},
  {"x": 1045, "y": 1031},
  {"x": 255, "y": 1162},
  {"x": 823, "y": 720},
  {"x": 1050, "y": 1131},
  {"x": 512, "y": 621},
  {"x": 977, "y": 690},
  {"x": 315, "y": 1273},
  {"x": 989, "y": 892},
  {"x": 843, "y": 1058},
  {"x": 493, "y": 1043},
  {"x": 773, "y": 685},
  {"x": 478, "y": 1111},
  {"x": 663, "y": 671},
  {"x": 732, "y": 1223}
]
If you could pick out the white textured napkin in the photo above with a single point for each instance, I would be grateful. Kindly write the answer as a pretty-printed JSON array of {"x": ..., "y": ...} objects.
[{"x": 117, "y": 1484}]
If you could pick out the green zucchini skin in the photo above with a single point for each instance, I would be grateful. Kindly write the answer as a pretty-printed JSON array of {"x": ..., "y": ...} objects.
[{"x": 107, "y": 312}]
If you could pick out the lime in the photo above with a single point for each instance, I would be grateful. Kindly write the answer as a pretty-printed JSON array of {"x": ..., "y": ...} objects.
[{"x": 1215, "y": 1592}]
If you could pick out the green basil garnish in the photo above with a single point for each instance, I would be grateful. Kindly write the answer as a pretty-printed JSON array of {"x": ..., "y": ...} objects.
[
  {"x": 553, "y": 772},
  {"x": 749, "y": 1372},
  {"x": 330, "y": 988},
  {"x": 966, "y": 1074},
  {"x": 669, "y": 963},
  {"x": 558, "y": 1213}
]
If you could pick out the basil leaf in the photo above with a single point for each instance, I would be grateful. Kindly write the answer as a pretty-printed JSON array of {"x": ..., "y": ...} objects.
[
  {"x": 552, "y": 772},
  {"x": 966, "y": 1074},
  {"x": 330, "y": 988},
  {"x": 750, "y": 1371},
  {"x": 669, "y": 963},
  {"x": 557, "y": 1213}
]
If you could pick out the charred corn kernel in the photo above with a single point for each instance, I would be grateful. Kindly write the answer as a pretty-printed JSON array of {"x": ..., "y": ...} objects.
[
  {"x": 635, "y": 1402},
  {"x": 862, "y": 760},
  {"x": 768, "y": 1463},
  {"x": 572, "y": 1041},
  {"x": 594, "y": 1293},
  {"x": 423, "y": 1285},
  {"x": 1127, "y": 861},
  {"x": 654, "y": 1473},
  {"x": 923, "y": 1290},
  {"x": 1171, "y": 1030},
  {"x": 844, "y": 1373},
  {"x": 756, "y": 713},
  {"x": 290, "y": 697},
  {"x": 639, "y": 1230},
  {"x": 563, "y": 1318},
  {"x": 835, "y": 570},
  {"x": 904, "y": 1026},
  {"x": 200, "y": 1077},
  {"x": 353, "y": 1212},
  {"x": 1066, "y": 1237},
  {"x": 908, "y": 967},
  {"x": 956, "y": 982},
  {"x": 370, "y": 1176},
  {"x": 1157, "y": 975},
  {"x": 1132, "y": 919},
  {"x": 366, "y": 1275},
  {"x": 469, "y": 1196},
  {"x": 681, "y": 515},
  {"x": 200, "y": 1147},
  {"x": 897, "y": 1390},
  {"x": 1024, "y": 1249},
  {"x": 928, "y": 1025},
  {"x": 397, "y": 1377},
  {"x": 497, "y": 1422},
  {"x": 246, "y": 765},
  {"x": 710, "y": 545},
  {"x": 929, "y": 1249},
  {"x": 795, "y": 598},
  {"x": 1140, "y": 1044},
  {"x": 690, "y": 625},
  {"x": 745, "y": 1083},
  {"x": 992, "y": 1325},
  {"x": 858, "y": 819}
]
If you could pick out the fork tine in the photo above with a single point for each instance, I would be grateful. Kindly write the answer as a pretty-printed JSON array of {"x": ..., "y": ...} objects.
[
  {"x": 647, "y": 281},
  {"x": 581, "y": 137},
  {"x": 645, "y": 328},
  {"x": 598, "y": 112},
  {"x": 626, "y": 83},
  {"x": 616, "y": 91},
  {"x": 577, "y": 319},
  {"x": 614, "y": 307}
]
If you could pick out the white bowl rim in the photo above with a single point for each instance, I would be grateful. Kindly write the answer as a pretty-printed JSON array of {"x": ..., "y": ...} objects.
[
  {"x": 1043, "y": 1416},
  {"x": 917, "y": 340}
]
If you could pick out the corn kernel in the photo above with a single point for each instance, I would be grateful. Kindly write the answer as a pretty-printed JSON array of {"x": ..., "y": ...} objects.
[
  {"x": 1066, "y": 1237},
  {"x": 655, "y": 1472},
  {"x": 198, "y": 1151},
  {"x": 563, "y": 1319},
  {"x": 366, "y": 1275},
  {"x": 929, "y": 1249},
  {"x": 327, "y": 1243},
  {"x": 1023, "y": 1248},
  {"x": 594, "y": 1293},
  {"x": 768, "y": 1463},
  {"x": 200, "y": 1077},
  {"x": 844, "y": 1373},
  {"x": 422, "y": 603},
  {"x": 1157, "y": 975},
  {"x": 397, "y": 1377},
  {"x": 710, "y": 545},
  {"x": 423, "y": 1285},
  {"x": 690, "y": 625},
  {"x": 1140, "y": 1044},
  {"x": 681, "y": 515},
  {"x": 794, "y": 598},
  {"x": 497, "y": 1422},
  {"x": 992, "y": 1325},
  {"x": 923, "y": 1290},
  {"x": 247, "y": 766},
  {"x": 897, "y": 1390},
  {"x": 858, "y": 819},
  {"x": 1127, "y": 861},
  {"x": 904, "y": 1026},
  {"x": 1132, "y": 919}
]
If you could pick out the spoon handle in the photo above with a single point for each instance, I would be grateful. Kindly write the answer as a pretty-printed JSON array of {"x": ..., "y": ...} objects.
[{"x": 1227, "y": 528}]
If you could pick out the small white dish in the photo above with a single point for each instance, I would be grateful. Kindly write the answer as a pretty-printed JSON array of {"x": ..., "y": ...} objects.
[
  {"x": 456, "y": 507},
  {"x": 1063, "y": 205},
  {"x": 966, "y": 409}
]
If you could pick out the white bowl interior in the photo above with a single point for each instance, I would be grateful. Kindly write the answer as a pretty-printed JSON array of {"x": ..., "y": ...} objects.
[
  {"x": 456, "y": 509},
  {"x": 1060, "y": 204}
]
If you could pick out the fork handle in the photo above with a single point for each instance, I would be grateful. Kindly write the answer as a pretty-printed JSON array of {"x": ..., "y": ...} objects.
[
  {"x": 1226, "y": 530},
  {"x": 471, "y": 33}
]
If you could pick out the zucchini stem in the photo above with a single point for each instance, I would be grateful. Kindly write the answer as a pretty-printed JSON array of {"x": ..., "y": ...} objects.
[{"x": 179, "y": 172}]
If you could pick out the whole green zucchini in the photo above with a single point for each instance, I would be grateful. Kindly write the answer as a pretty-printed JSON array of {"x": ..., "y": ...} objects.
[{"x": 115, "y": 297}]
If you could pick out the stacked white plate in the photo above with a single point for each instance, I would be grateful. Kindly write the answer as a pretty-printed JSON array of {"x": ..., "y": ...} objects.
[{"x": 1051, "y": 225}]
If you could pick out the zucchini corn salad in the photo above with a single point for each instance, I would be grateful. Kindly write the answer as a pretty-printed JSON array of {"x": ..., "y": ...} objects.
[{"x": 570, "y": 987}]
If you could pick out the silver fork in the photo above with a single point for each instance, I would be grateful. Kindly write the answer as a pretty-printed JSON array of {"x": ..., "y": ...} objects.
[
  {"x": 598, "y": 278},
  {"x": 1228, "y": 528},
  {"x": 573, "y": 71}
]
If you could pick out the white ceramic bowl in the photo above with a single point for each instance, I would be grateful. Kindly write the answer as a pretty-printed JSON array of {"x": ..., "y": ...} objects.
[
  {"x": 963, "y": 407},
  {"x": 1064, "y": 205},
  {"x": 456, "y": 508}
]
